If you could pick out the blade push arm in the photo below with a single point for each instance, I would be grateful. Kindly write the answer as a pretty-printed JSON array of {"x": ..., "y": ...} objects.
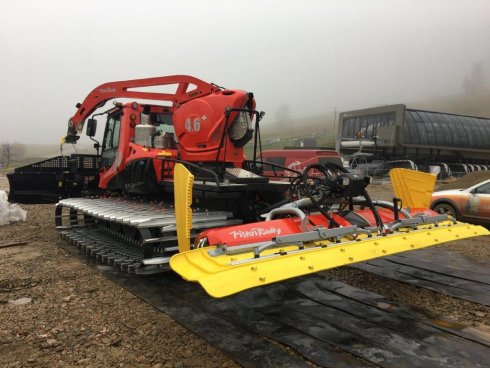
[{"x": 121, "y": 89}]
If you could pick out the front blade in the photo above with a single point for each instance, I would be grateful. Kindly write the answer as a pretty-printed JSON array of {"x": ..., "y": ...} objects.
[{"x": 223, "y": 275}]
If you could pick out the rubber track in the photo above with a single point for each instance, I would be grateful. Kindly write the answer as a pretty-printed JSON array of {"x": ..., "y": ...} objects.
[
  {"x": 450, "y": 273},
  {"x": 329, "y": 323}
]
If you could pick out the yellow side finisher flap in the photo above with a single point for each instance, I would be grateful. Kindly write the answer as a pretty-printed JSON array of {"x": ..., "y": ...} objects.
[
  {"x": 183, "y": 181},
  {"x": 414, "y": 188},
  {"x": 225, "y": 274}
]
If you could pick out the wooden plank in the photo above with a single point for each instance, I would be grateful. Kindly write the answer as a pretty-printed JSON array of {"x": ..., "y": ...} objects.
[
  {"x": 433, "y": 276},
  {"x": 371, "y": 334},
  {"x": 448, "y": 263},
  {"x": 379, "y": 340},
  {"x": 314, "y": 288},
  {"x": 373, "y": 343},
  {"x": 12, "y": 244},
  {"x": 416, "y": 314},
  {"x": 425, "y": 280},
  {"x": 247, "y": 310},
  {"x": 461, "y": 259},
  {"x": 270, "y": 307}
]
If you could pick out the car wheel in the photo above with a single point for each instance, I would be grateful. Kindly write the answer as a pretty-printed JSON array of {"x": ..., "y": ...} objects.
[{"x": 446, "y": 209}]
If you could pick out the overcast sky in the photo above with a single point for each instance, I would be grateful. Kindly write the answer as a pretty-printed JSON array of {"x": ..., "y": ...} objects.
[{"x": 308, "y": 55}]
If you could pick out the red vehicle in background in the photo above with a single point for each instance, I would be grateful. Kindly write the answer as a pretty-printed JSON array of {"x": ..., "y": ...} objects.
[{"x": 295, "y": 159}]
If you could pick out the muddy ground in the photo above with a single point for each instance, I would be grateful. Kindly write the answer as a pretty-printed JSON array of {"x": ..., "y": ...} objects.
[{"x": 74, "y": 317}]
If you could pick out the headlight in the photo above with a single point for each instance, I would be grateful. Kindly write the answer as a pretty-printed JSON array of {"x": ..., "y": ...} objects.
[
  {"x": 240, "y": 126},
  {"x": 241, "y": 129}
]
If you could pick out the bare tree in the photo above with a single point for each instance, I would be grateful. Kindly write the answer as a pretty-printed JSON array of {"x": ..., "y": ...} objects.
[
  {"x": 10, "y": 153},
  {"x": 6, "y": 153}
]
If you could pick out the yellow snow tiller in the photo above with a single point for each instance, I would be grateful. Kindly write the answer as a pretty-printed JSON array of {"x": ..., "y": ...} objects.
[{"x": 332, "y": 222}]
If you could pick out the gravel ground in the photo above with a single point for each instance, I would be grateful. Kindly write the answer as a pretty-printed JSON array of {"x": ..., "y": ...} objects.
[{"x": 76, "y": 317}]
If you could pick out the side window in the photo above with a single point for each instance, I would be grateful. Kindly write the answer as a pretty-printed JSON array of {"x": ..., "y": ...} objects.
[
  {"x": 107, "y": 141},
  {"x": 111, "y": 134},
  {"x": 483, "y": 189},
  {"x": 164, "y": 123},
  {"x": 276, "y": 160},
  {"x": 333, "y": 160},
  {"x": 115, "y": 137},
  {"x": 111, "y": 140}
]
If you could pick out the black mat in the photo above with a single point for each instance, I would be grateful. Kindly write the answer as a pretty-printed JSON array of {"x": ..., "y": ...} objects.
[
  {"x": 445, "y": 272},
  {"x": 322, "y": 321}
]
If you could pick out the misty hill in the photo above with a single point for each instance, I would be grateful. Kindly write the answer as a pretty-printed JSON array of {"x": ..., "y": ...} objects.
[
  {"x": 463, "y": 104},
  {"x": 298, "y": 127},
  {"x": 50, "y": 150},
  {"x": 26, "y": 154},
  {"x": 468, "y": 103}
]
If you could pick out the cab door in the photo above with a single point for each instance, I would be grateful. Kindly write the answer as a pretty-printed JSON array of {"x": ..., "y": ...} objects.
[
  {"x": 479, "y": 202},
  {"x": 111, "y": 140},
  {"x": 110, "y": 145}
]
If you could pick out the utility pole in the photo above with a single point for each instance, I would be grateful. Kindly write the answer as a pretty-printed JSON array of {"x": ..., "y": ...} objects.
[{"x": 6, "y": 153}]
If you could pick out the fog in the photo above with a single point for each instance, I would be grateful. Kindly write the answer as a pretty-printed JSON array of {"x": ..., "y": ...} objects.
[{"x": 309, "y": 57}]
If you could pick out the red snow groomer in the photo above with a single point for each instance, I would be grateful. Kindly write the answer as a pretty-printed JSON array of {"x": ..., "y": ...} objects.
[{"x": 178, "y": 192}]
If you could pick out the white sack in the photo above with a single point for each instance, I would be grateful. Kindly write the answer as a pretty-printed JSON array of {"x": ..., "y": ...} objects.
[{"x": 10, "y": 212}]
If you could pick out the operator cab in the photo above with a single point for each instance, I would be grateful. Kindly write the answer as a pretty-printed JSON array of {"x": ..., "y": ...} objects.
[{"x": 110, "y": 142}]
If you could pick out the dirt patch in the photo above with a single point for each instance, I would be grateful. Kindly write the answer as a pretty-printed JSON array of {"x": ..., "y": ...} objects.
[
  {"x": 76, "y": 317},
  {"x": 466, "y": 181},
  {"x": 381, "y": 191}
]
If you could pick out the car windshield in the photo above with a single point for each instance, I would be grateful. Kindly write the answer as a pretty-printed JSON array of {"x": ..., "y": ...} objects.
[{"x": 483, "y": 189}]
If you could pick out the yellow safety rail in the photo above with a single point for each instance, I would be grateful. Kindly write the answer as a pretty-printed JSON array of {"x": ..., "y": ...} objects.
[{"x": 223, "y": 275}]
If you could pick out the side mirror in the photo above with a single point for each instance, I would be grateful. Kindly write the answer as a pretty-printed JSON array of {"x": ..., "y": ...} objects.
[{"x": 91, "y": 127}]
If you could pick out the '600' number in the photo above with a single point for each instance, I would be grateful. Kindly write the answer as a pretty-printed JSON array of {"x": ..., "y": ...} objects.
[{"x": 193, "y": 125}]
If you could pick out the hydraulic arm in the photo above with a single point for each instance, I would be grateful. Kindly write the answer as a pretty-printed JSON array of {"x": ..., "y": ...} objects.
[{"x": 186, "y": 88}]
